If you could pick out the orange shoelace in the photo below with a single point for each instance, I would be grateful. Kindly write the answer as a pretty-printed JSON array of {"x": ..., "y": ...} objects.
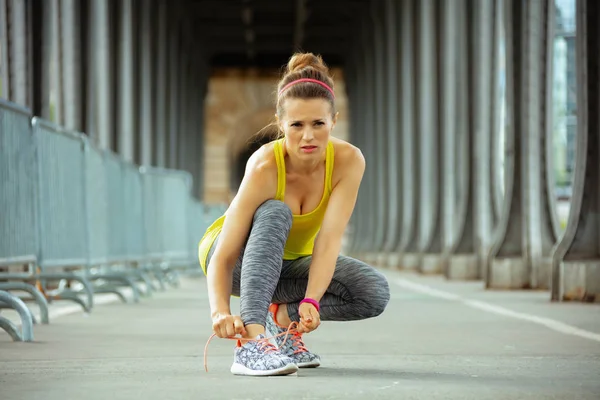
[{"x": 264, "y": 342}]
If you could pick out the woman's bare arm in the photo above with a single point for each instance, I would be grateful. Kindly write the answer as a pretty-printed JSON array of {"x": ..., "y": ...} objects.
[
  {"x": 258, "y": 185},
  {"x": 329, "y": 240}
]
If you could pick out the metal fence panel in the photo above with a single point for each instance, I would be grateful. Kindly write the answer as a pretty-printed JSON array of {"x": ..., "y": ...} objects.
[
  {"x": 132, "y": 182},
  {"x": 18, "y": 214},
  {"x": 196, "y": 227},
  {"x": 97, "y": 210},
  {"x": 61, "y": 201},
  {"x": 175, "y": 213},
  {"x": 117, "y": 237},
  {"x": 152, "y": 225}
]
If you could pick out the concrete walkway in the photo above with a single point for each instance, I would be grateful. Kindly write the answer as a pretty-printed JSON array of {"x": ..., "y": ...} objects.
[{"x": 437, "y": 340}]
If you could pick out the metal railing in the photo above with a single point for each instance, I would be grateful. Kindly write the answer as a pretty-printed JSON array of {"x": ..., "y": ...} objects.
[{"x": 73, "y": 213}]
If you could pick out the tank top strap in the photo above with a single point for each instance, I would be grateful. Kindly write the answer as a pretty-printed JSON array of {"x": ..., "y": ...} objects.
[
  {"x": 330, "y": 156},
  {"x": 278, "y": 150}
]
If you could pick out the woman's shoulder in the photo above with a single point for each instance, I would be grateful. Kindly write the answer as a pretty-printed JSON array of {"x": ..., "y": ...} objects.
[
  {"x": 262, "y": 162},
  {"x": 345, "y": 153},
  {"x": 347, "y": 157}
]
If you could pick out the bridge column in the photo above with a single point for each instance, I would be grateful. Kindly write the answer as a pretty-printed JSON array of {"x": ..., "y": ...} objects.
[
  {"x": 173, "y": 34},
  {"x": 520, "y": 254},
  {"x": 355, "y": 87},
  {"x": 162, "y": 58},
  {"x": 100, "y": 83},
  {"x": 125, "y": 82},
  {"x": 147, "y": 93},
  {"x": 460, "y": 153},
  {"x": 367, "y": 233},
  {"x": 392, "y": 134},
  {"x": 409, "y": 258},
  {"x": 429, "y": 245},
  {"x": 576, "y": 258},
  {"x": 380, "y": 130}
]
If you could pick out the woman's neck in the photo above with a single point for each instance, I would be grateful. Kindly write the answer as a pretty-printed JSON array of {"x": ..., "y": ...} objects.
[{"x": 303, "y": 167}]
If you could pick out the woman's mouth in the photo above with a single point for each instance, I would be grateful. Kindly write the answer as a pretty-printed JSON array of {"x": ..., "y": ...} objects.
[{"x": 308, "y": 149}]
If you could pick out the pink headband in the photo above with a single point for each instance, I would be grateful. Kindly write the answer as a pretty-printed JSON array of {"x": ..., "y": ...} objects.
[{"x": 306, "y": 80}]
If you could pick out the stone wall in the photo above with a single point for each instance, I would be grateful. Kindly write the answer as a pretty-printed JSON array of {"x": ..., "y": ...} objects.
[{"x": 239, "y": 103}]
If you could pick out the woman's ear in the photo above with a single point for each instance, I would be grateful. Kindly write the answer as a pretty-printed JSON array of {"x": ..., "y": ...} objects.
[
  {"x": 279, "y": 124},
  {"x": 335, "y": 118}
]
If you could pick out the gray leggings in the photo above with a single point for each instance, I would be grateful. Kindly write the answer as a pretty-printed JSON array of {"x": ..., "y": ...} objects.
[{"x": 357, "y": 290}]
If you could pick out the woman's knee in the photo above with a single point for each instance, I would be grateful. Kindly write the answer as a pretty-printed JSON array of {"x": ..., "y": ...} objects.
[
  {"x": 367, "y": 286},
  {"x": 380, "y": 295},
  {"x": 274, "y": 212}
]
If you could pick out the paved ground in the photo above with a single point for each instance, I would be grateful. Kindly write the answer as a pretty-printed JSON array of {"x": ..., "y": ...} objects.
[{"x": 437, "y": 340}]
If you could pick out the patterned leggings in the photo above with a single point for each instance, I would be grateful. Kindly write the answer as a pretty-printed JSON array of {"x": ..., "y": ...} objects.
[{"x": 357, "y": 290}]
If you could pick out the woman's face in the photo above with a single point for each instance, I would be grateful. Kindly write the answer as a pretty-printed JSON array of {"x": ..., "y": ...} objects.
[{"x": 307, "y": 124}]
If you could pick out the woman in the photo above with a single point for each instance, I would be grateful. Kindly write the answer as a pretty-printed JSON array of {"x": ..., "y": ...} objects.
[{"x": 278, "y": 244}]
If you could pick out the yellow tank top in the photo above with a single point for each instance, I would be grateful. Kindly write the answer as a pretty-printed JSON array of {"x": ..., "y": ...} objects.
[{"x": 301, "y": 239}]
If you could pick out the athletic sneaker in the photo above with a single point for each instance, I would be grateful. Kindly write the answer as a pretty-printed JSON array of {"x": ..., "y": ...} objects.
[
  {"x": 291, "y": 344},
  {"x": 261, "y": 358}
]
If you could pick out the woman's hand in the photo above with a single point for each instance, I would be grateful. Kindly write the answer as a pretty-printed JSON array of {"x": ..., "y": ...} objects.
[
  {"x": 309, "y": 318},
  {"x": 226, "y": 325}
]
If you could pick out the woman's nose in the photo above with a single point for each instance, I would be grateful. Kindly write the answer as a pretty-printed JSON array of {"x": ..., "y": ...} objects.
[{"x": 307, "y": 134}]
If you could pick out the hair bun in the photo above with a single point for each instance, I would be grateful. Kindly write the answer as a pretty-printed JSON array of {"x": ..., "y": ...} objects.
[{"x": 300, "y": 61}]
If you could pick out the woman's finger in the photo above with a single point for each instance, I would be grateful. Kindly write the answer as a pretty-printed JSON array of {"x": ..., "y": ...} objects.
[
  {"x": 222, "y": 331},
  {"x": 230, "y": 328},
  {"x": 239, "y": 326}
]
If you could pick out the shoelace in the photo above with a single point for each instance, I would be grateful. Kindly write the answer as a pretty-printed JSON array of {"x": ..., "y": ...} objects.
[
  {"x": 264, "y": 342},
  {"x": 297, "y": 343}
]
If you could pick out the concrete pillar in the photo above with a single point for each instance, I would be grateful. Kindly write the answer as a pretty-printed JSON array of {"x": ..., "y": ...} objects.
[
  {"x": 392, "y": 132},
  {"x": 184, "y": 139},
  {"x": 102, "y": 78},
  {"x": 355, "y": 76},
  {"x": 45, "y": 39},
  {"x": 480, "y": 13},
  {"x": 520, "y": 254},
  {"x": 380, "y": 129},
  {"x": 146, "y": 97},
  {"x": 70, "y": 25},
  {"x": 410, "y": 156},
  {"x": 458, "y": 182},
  {"x": 57, "y": 63},
  {"x": 370, "y": 176},
  {"x": 17, "y": 62},
  {"x": 448, "y": 99},
  {"x": 5, "y": 91},
  {"x": 173, "y": 79},
  {"x": 162, "y": 57},
  {"x": 125, "y": 82},
  {"x": 430, "y": 216},
  {"x": 202, "y": 72},
  {"x": 351, "y": 79},
  {"x": 576, "y": 257}
]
